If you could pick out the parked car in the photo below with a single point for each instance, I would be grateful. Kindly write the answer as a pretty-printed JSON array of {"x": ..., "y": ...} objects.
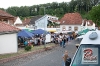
[{"x": 88, "y": 53}]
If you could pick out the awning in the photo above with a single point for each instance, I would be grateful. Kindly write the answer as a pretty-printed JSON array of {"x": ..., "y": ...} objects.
[
  {"x": 25, "y": 33},
  {"x": 51, "y": 30},
  {"x": 39, "y": 31}
]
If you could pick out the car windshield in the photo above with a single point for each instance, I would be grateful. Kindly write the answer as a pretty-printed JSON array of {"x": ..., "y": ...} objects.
[{"x": 87, "y": 55}]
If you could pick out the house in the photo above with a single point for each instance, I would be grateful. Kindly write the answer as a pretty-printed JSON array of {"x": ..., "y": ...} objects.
[
  {"x": 18, "y": 23},
  {"x": 42, "y": 22},
  {"x": 8, "y": 38},
  {"x": 33, "y": 20},
  {"x": 6, "y": 17},
  {"x": 88, "y": 24},
  {"x": 71, "y": 22},
  {"x": 22, "y": 24},
  {"x": 26, "y": 21}
]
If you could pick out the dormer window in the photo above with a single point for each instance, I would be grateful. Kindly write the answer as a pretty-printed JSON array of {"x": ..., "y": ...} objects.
[
  {"x": 75, "y": 28},
  {"x": 64, "y": 28},
  {"x": 63, "y": 21},
  {"x": 70, "y": 28}
]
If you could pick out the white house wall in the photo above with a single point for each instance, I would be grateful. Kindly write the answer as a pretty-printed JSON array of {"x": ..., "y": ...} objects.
[
  {"x": 8, "y": 43},
  {"x": 41, "y": 23},
  {"x": 72, "y": 27}
]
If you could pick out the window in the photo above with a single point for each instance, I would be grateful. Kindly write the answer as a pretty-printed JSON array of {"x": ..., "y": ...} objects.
[
  {"x": 58, "y": 26},
  {"x": 70, "y": 28},
  {"x": 63, "y": 28},
  {"x": 75, "y": 28},
  {"x": 63, "y": 21}
]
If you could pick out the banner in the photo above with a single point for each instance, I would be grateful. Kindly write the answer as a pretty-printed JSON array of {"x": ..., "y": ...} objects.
[{"x": 90, "y": 55}]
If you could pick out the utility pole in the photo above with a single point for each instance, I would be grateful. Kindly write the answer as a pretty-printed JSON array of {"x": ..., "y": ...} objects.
[
  {"x": 44, "y": 10},
  {"x": 44, "y": 29}
]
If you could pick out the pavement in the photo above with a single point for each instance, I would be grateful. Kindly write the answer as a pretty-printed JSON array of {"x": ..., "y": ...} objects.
[
  {"x": 44, "y": 58},
  {"x": 26, "y": 54}
]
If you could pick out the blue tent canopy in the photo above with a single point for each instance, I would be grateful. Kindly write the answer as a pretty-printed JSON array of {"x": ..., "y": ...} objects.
[
  {"x": 40, "y": 31},
  {"x": 25, "y": 33}
]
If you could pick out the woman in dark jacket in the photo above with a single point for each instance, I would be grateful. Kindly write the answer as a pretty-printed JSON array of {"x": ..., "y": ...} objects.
[{"x": 66, "y": 59}]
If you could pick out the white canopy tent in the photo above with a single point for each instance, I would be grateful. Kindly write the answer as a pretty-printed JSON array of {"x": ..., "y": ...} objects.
[{"x": 18, "y": 21}]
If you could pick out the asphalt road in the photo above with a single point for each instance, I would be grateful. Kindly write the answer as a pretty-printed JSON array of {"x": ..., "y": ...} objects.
[{"x": 49, "y": 58}]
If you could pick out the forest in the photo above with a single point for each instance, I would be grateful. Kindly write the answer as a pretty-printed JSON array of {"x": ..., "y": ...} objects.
[{"x": 54, "y": 8}]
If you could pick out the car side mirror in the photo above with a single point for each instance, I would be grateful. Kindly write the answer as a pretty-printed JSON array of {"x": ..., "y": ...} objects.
[{"x": 68, "y": 61}]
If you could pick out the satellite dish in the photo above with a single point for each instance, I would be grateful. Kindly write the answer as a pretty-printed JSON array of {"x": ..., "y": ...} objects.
[{"x": 93, "y": 36}]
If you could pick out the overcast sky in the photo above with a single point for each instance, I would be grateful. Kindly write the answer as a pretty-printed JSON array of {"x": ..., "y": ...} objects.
[{"x": 8, "y": 3}]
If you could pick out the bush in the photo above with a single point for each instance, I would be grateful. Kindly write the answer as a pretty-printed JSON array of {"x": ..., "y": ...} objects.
[{"x": 27, "y": 48}]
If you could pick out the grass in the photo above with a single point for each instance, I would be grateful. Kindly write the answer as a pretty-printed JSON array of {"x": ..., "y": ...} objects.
[{"x": 22, "y": 51}]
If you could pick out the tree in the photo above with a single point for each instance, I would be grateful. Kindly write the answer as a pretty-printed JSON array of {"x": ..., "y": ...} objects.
[
  {"x": 13, "y": 10},
  {"x": 2, "y": 9},
  {"x": 24, "y": 11},
  {"x": 95, "y": 15},
  {"x": 55, "y": 8}
]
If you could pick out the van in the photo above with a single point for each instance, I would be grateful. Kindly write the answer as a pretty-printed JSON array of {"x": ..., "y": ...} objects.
[{"x": 88, "y": 52}]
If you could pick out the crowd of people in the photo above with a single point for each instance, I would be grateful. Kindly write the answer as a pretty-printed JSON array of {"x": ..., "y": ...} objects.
[
  {"x": 35, "y": 40},
  {"x": 61, "y": 39}
]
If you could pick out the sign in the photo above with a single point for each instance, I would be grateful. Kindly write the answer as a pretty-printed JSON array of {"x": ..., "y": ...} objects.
[{"x": 89, "y": 55}]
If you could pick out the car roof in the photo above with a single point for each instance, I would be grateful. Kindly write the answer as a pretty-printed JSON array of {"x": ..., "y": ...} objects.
[{"x": 87, "y": 40}]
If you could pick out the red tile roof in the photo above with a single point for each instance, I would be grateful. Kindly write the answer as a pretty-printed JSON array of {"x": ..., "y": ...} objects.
[
  {"x": 26, "y": 21},
  {"x": 6, "y": 28},
  {"x": 71, "y": 19},
  {"x": 3, "y": 13}
]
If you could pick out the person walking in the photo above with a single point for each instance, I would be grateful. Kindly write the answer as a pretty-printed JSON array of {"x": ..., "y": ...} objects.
[
  {"x": 63, "y": 42},
  {"x": 66, "y": 59},
  {"x": 67, "y": 38}
]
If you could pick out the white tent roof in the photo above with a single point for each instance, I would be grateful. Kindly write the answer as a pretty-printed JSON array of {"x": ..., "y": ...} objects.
[{"x": 18, "y": 21}]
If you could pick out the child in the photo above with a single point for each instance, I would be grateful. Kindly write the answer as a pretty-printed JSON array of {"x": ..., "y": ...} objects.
[{"x": 66, "y": 59}]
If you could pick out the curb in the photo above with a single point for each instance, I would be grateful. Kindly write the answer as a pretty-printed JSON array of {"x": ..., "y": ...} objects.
[{"x": 26, "y": 54}]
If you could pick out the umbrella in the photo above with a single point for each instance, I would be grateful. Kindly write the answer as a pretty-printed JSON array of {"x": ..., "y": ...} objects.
[
  {"x": 40, "y": 31},
  {"x": 25, "y": 33}
]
